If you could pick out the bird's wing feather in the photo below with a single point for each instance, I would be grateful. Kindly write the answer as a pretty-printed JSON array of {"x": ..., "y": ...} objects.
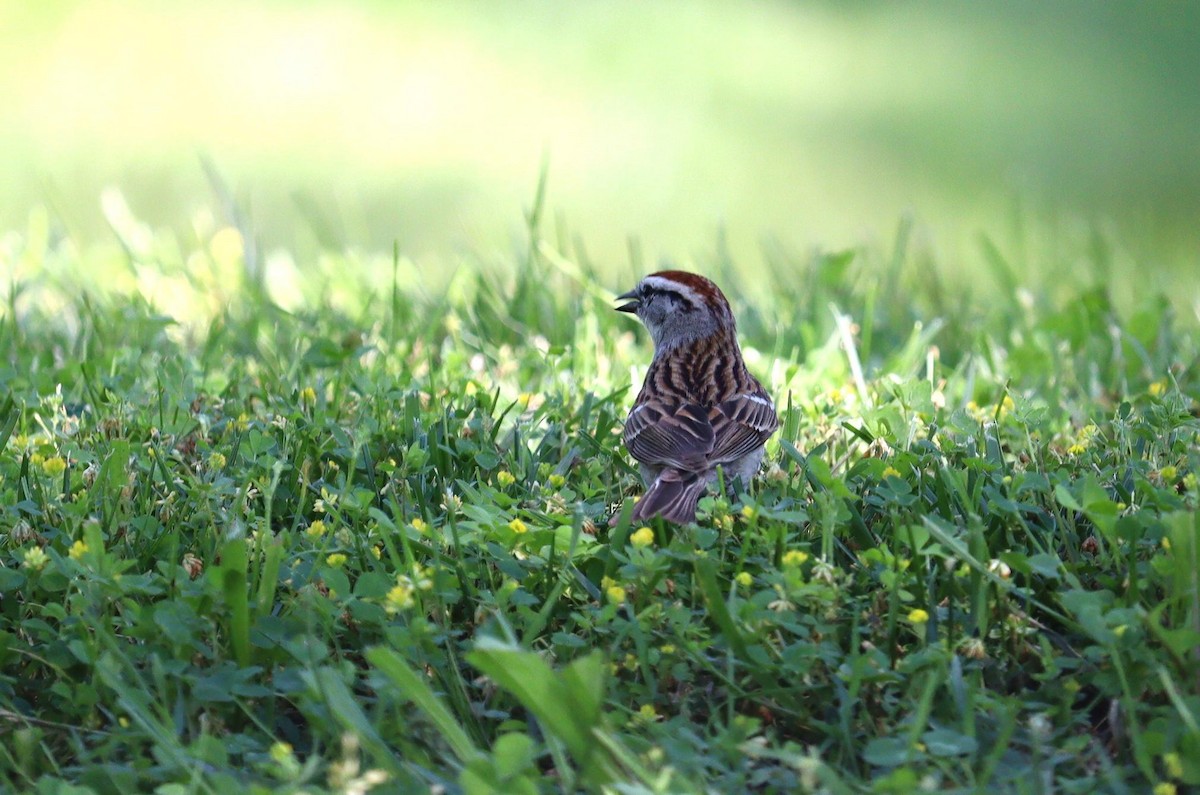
[
  {"x": 741, "y": 425},
  {"x": 676, "y": 435}
]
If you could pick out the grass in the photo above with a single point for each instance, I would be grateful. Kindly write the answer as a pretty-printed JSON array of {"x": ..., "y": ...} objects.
[{"x": 364, "y": 543}]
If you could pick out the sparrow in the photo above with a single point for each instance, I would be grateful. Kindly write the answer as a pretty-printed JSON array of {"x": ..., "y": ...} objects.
[{"x": 699, "y": 409}]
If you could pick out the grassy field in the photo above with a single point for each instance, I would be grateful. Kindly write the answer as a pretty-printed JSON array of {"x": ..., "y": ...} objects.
[{"x": 333, "y": 536}]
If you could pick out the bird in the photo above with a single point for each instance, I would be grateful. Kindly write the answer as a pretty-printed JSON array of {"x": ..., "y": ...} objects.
[{"x": 699, "y": 408}]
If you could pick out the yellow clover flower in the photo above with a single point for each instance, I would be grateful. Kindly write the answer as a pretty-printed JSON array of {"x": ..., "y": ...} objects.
[
  {"x": 35, "y": 558},
  {"x": 642, "y": 537},
  {"x": 794, "y": 557}
]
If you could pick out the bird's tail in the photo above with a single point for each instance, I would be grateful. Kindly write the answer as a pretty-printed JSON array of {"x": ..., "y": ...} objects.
[{"x": 673, "y": 496}]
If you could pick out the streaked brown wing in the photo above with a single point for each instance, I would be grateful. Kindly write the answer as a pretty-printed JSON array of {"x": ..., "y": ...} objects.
[
  {"x": 676, "y": 435},
  {"x": 741, "y": 425}
]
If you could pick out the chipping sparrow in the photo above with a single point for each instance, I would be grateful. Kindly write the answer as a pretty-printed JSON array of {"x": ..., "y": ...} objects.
[{"x": 699, "y": 408}]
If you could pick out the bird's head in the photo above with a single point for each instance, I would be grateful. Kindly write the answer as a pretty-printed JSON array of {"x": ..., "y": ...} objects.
[{"x": 678, "y": 308}]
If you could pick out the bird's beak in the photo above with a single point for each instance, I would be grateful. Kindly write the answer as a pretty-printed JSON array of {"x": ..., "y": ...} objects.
[{"x": 632, "y": 298}]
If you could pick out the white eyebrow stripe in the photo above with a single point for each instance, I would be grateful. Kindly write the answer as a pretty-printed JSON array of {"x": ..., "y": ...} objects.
[{"x": 672, "y": 286}]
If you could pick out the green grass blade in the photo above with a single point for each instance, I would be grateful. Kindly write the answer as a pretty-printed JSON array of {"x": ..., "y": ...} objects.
[
  {"x": 415, "y": 689},
  {"x": 233, "y": 574}
]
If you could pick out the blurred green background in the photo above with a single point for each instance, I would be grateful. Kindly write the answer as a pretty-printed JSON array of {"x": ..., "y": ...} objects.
[{"x": 814, "y": 125}]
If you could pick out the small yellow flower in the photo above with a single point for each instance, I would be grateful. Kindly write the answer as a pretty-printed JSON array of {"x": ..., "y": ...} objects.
[
  {"x": 647, "y": 714},
  {"x": 918, "y": 616},
  {"x": 744, "y": 579},
  {"x": 1077, "y": 449},
  {"x": 451, "y": 502},
  {"x": 794, "y": 557},
  {"x": 505, "y": 478},
  {"x": 1007, "y": 405},
  {"x": 1158, "y": 388},
  {"x": 642, "y": 537},
  {"x": 1164, "y": 788},
  {"x": 123, "y": 722},
  {"x": 54, "y": 466},
  {"x": 37, "y": 459},
  {"x": 216, "y": 461},
  {"x": 377, "y": 552},
  {"x": 891, "y": 472},
  {"x": 78, "y": 550},
  {"x": 337, "y": 560},
  {"x": 424, "y": 579},
  {"x": 525, "y": 398},
  {"x": 281, "y": 752},
  {"x": 316, "y": 529},
  {"x": 557, "y": 481},
  {"x": 667, "y": 648},
  {"x": 749, "y": 512},
  {"x": 35, "y": 559},
  {"x": 400, "y": 597},
  {"x": 326, "y": 502},
  {"x": 419, "y": 524},
  {"x": 308, "y": 396},
  {"x": 518, "y": 527},
  {"x": 615, "y": 594},
  {"x": 242, "y": 422},
  {"x": 1168, "y": 473},
  {"x": 1173, "y": 765},
  {"x": 1166, "y": 544}
]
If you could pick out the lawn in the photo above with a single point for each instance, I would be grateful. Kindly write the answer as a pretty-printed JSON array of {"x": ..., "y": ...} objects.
[{"x": 362, "y": 543}]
